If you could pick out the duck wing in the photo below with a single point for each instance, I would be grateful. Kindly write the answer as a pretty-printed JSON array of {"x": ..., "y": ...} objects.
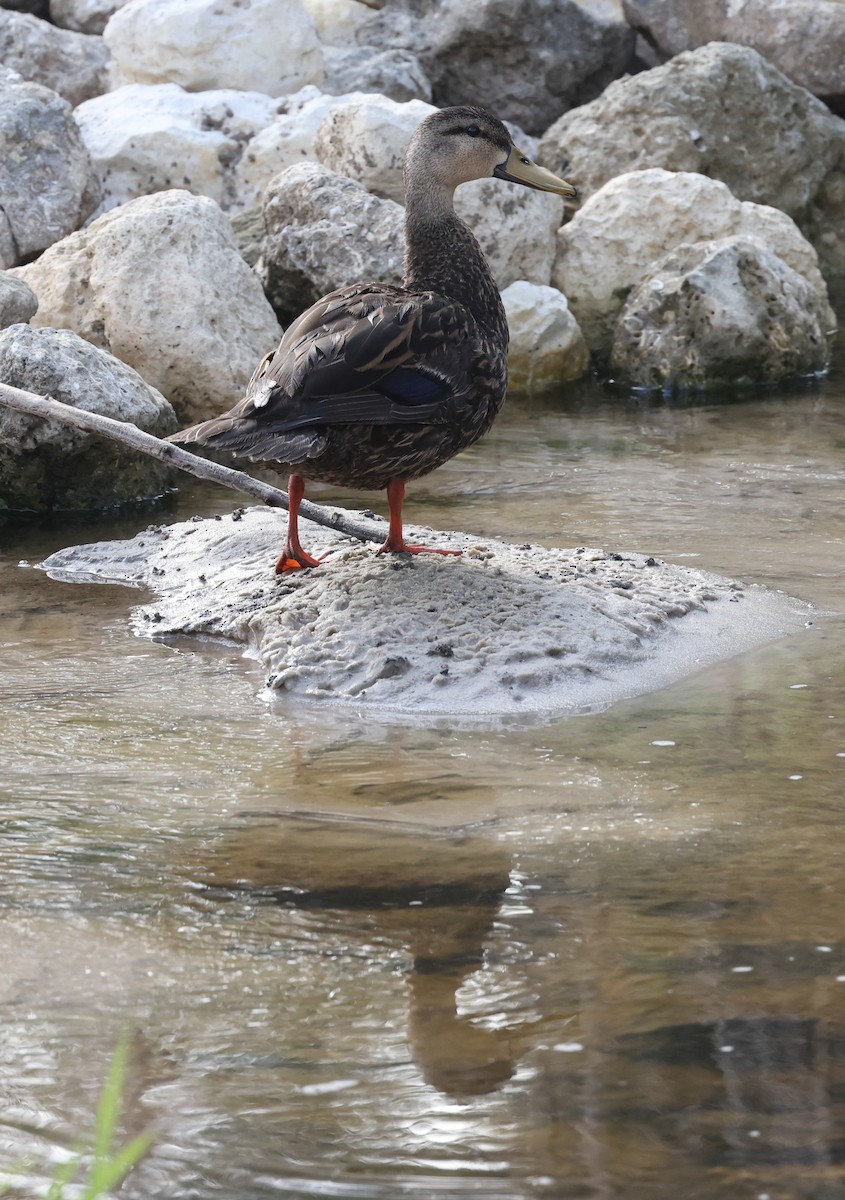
[{"x": 368, "y": 354}]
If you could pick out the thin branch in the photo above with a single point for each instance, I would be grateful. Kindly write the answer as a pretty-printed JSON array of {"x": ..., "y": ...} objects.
[{"x": 136, "y": 439}]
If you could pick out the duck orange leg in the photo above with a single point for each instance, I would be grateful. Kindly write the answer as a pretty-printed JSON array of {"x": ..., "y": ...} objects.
[
  {"x": 395, "y": 542},
  {"x": 293, "y": 557}
]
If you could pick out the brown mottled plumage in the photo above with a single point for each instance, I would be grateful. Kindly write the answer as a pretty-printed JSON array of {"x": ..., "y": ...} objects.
[{"x": 374, "y": 384}]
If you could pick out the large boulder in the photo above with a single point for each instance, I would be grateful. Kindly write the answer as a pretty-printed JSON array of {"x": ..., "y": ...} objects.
[
  {"x": 266, "y": 46},
  {"x": 72, "y": 64},
  {"x": 47, "y": 183},
  {"x": 18, "y": 301},
  {"x": 546, "y": 346},
  {"x": 803, "y": 38},
  {"x": 325, "y": 231},
  {"x": 160, "y": 284},
  {"x": 630, "y": 223},
  {"x": 524, "y": 60},
  {"x": 366, "y": 138},
  {"x": 84, "y": 16},
  {"x": 725, "y": 112},
  {"x": 717, "y": 313},
  {"x": 146, "y": 138},
  {"x": 45, "y": 465}
]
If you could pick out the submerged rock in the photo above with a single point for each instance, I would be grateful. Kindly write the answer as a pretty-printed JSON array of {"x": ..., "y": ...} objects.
[
  {"x": 716, "y": 313},
  {"x": 159, "y": 283},
  {"x": 501, "y": 630},
  {"x": 46, "y": 465}
]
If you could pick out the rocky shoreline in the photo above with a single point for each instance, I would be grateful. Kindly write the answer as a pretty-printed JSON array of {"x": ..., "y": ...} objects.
[{"x": 197, "y": 186}]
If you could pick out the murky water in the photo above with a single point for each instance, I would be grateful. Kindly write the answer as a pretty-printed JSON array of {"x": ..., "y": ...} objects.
[{"x": 596, "y": 958}]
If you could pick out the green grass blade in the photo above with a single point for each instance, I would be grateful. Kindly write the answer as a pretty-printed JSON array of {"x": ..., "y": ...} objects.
[
  {"x": 110, "y": 1173},
  {"x": 108, "y": 1106}
]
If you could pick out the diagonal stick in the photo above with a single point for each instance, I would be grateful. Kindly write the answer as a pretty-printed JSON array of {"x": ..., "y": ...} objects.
[{"x": 130, "y": 435}]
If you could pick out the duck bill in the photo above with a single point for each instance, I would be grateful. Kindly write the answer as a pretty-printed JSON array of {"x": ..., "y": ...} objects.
[{"x": 518, "y": 168}]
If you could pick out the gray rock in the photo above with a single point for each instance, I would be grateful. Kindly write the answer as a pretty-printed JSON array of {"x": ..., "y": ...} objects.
[
  {"x": 18, "y": 301},
  {"x": 45, "y": 465},
  {"x": 721, "y": 312},
  {"x": 395, "y": 73},
  {"x": 325, "y": 231},
  {"x": 47, "y": 183},
  {"x": 85, "y": 16},
  {"x": 38, "y": 8},
  {"x": 524, "y": 60},
  {"x": 73, "y": 64},
  {"x": 160, "y": 284},
  {"x": 721, "y": 111},
  {"x": 802, "y": 38}
]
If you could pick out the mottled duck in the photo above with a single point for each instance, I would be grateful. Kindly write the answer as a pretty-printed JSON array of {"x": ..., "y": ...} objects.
[{"x": 374, "y": 384}]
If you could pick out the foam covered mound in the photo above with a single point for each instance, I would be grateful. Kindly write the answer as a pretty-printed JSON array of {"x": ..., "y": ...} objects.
[{"x": 501, "y": 629}]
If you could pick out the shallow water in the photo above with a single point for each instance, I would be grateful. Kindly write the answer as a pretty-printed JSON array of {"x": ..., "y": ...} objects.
[{"x": 601, "y": 957}]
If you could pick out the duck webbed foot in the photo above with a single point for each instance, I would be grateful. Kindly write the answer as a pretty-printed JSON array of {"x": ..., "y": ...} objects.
[
  {"x": 395, "y": 542},
  {"x": 293, "y": 557}
]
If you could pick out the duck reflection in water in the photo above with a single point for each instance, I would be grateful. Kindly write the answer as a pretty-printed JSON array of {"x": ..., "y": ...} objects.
[{"x": 435, "y": 893}]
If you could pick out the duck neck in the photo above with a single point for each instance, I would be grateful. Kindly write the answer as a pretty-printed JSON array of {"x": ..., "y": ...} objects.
[{"x": 443, "y": 256}]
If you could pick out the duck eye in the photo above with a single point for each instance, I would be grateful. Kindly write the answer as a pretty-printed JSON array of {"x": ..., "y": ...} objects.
[{"x": 473, "y": 131}]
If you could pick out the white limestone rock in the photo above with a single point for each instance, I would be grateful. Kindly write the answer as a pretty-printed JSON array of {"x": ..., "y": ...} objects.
[
  {"x": 160, "y": 284},
  {"x": 722, "y": 312},
  {"x": 47, "y": 183},
  {"x": 546, "y": 346},
  {"x": 266, "y": 46},
  {"x": 324, "y": 231},
  {"x": 18, "y": 302},
  {"x": 620, "y": 231},
  {"x": 146, "y": 138},
  {"x": 46, "y": 465},
  {"x": 72, "y": 64}
]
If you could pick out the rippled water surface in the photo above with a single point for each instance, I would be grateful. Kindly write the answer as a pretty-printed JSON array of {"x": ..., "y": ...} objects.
[{"x": 596, "y": 958}]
